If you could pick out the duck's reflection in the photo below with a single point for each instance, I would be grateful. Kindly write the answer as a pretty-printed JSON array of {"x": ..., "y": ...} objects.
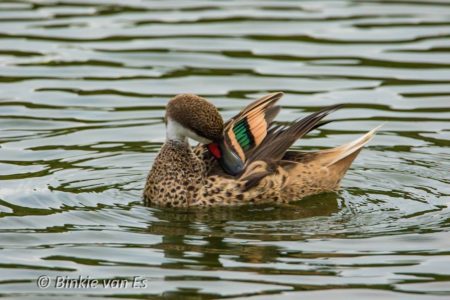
[{"x": 201, "y": 237}]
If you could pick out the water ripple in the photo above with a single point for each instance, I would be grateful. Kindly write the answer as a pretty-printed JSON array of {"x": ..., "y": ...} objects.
[{"x": 83, "y": 89}]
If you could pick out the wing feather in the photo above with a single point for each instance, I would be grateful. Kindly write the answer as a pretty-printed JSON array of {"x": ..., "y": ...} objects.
[
  {"x": 246, "y": 131},
  {"x": 280, "y": 137}
]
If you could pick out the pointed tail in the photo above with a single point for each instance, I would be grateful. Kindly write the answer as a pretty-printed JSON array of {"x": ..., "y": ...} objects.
[
  {"x": 335, "y": 155},
  {"x": 339, "y": 159}
]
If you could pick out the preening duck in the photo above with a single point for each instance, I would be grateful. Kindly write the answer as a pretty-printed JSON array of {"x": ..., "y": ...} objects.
[{"x": 245, "y": 160}]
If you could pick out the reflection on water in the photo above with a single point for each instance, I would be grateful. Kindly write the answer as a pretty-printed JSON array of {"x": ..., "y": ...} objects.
[{"x": 83, "y": 88}]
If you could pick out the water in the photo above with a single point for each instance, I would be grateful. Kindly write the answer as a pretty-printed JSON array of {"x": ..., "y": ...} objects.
[{"x": 83, "y": 85}]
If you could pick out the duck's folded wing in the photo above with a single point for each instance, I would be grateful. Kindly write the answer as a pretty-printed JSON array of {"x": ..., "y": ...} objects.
[
  {"x": 244, "y": 132},
  {"x": 279, "y": 138}
]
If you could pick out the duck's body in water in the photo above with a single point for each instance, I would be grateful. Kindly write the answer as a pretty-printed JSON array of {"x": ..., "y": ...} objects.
[{"x": 246, "y": 160}]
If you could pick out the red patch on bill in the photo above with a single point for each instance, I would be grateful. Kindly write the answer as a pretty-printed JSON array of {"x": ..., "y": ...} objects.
[{"x": 214, "y": 149}]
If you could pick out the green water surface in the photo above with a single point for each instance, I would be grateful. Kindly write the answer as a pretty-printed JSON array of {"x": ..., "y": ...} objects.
[{"x": 83, "y": 86}]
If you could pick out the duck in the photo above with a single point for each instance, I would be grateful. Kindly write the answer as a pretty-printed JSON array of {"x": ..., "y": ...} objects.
[{"x": 244, "y": 161}]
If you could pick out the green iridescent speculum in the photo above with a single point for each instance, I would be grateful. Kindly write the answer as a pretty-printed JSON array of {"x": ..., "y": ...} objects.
[{"x": 243, "y": 134}]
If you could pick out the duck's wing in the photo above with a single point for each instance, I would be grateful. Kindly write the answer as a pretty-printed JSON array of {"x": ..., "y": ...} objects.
[
  {"x": 280, "y": 137},
  {"x": 244, "y": 132},
  {"x": 265, "y": 160}
]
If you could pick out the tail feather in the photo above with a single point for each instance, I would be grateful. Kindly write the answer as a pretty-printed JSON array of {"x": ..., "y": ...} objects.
[{"x": 333, "y": 156}]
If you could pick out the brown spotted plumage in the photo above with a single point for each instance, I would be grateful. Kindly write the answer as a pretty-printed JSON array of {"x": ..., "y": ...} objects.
[{"x": 186, "y": 177}]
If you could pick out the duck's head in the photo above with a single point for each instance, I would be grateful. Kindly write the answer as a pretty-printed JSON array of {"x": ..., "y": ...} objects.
[{"x": 191, "y": 116}]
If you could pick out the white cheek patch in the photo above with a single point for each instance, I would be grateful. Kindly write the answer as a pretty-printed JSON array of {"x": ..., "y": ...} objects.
[{"x": 176, "y": 131}]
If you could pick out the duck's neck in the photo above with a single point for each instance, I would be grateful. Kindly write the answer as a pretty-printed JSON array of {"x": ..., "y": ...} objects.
[
  {"x": 181, "y": 162},
  {"x": 175, "y": 176},
  {"x": 177, "y": 157}
]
